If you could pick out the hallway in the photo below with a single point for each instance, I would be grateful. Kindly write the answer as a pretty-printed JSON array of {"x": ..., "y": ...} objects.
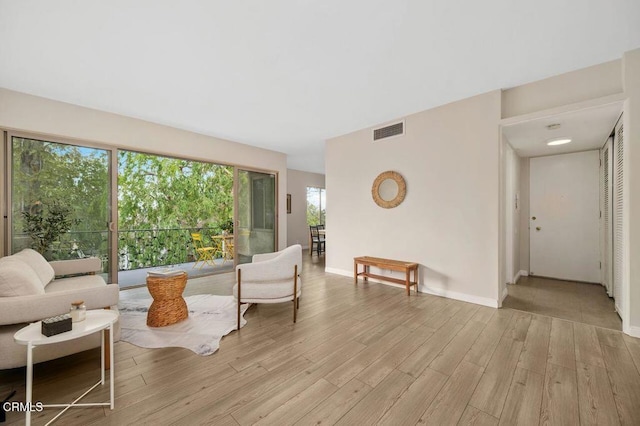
[{"x": 580, "y": 302}]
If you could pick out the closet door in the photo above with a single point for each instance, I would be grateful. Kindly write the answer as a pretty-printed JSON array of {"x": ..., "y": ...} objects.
[
  {"x": 618, "y": 230},
  {"x": 607, "y": 236}
]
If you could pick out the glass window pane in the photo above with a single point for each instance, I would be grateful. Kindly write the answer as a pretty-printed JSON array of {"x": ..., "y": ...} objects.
[
  {"x": 60, "y": 199},
  {"x": 316, "y": 199},
  {"x": 161, "y": 201}
]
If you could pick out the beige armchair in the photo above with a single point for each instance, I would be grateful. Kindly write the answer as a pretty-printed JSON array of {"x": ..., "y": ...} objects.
[{"x": 270, "y": 278}]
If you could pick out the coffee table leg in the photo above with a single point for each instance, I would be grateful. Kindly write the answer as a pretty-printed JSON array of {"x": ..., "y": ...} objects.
[
  {"x": 102, "y": 357},
  {"x": 111, "y": 375},
  {"x": 29, "y": 382}
]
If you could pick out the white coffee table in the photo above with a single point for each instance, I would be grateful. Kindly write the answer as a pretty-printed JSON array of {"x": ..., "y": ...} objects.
[{"x": 31, "y": 336}]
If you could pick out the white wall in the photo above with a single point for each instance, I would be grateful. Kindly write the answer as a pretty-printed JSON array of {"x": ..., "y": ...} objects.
[
  {"x": 524, "y": 215},
  {"x": 512, "y": 212},
  {"x": 448, "y": 222},
  {"x": 564, "y": 89},
  {"x": 509, "y": 216},
  {"x": 297, "y": 183},
  {"x": 19, "y": 111},
  {"x": 631, "y": 71}
]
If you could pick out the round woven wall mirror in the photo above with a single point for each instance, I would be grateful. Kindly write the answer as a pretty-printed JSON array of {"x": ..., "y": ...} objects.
[{"x": 389, "y": 189}]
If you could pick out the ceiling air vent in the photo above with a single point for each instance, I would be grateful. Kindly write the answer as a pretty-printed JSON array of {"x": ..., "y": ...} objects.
[{"x": 392, "y": 130}]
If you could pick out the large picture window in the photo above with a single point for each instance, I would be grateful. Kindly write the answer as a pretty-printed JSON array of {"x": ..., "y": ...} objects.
[
  {"x": 63, "y": 198},
  {"x": 60, "y": 199},
  {"x": 316, "y": 205}
]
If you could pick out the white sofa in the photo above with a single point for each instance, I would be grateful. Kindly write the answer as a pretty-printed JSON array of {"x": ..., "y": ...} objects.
[{"x": 32, "y": 289}]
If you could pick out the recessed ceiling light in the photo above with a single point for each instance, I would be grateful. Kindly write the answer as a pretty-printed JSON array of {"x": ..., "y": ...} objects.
[{"x": 558, "y": 142}]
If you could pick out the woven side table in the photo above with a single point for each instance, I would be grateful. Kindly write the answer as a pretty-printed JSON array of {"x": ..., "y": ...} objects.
[{"x": 168, "y": 306}]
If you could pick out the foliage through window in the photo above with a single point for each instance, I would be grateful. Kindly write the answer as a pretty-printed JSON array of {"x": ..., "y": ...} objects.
[
  {"x": 161, "y": 200},
  {"x": 316, "y": 205},
  {"x": 53, "y": 182}
]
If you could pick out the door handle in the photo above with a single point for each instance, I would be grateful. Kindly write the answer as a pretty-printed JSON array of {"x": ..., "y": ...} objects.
[{"x": 538, "y": 228}]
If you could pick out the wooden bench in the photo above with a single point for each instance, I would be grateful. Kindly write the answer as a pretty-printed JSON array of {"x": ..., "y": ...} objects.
[{"x": 393, "y": 265}]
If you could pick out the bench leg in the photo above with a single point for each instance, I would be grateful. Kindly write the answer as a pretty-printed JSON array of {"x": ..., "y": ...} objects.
[
  {"x": 355, "y": 272},
  {"x": 408, "y": 281}
]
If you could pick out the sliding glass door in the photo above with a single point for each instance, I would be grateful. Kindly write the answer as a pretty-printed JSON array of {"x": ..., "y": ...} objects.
[
  {"x": 60, "y": 198},
  {"x": 256, "y": 218},
  {"x": 162, "y": 202},
  {"x": 61, "y": 203}
]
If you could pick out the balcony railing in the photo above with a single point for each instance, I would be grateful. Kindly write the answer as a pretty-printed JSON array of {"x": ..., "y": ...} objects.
[
  {"x": 137, "y": 248},
  {"x": 143, "y": 248}
]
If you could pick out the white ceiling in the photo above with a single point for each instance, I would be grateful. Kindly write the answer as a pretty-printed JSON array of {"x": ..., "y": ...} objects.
[
  {"x": 288, "y": 74},
  {"x": 588, "y": 129}
]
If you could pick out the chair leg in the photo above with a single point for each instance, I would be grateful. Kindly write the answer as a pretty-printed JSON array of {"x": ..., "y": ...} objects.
[
  {"x": 295, "y": 292},
  {"x": 239, "y": 284},
  {"x": 107, "y": 344}
]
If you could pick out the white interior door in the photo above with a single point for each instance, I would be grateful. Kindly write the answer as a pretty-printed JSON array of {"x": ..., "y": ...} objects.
[
  {"x": 564, "y": 222},
  {"x": 618, "y": 218}
]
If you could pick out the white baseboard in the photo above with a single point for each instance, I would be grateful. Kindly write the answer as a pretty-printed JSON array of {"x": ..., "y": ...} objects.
[
  {"x": 632, "y": 331},
  {"x": 519, "y": 274},
  {"x": 484, "y": 301},
  {"x": 478, "y": 300},
  {"x": 505, "y": 293},
  {"x": 339, "y": 272}
]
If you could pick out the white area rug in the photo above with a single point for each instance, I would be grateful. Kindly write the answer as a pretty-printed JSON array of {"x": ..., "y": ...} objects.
[{"x": 210, "y": 318}]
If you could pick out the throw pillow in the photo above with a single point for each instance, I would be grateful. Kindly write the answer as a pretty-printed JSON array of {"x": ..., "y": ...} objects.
[
  {"x": 18, "y": 279},
  {"x": 39, "y": 264}
]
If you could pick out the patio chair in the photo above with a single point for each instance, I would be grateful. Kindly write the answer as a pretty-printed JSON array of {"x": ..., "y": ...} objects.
[
  {"x": 224, "y": 245},
  {"x": 204, "y": 254},
  {"x": 228, "y": 250}
]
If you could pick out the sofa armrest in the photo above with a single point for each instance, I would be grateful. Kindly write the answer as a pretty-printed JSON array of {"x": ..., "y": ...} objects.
[
  {"x": 76, "y": 266},
  {"x": 22, "y": 309}
]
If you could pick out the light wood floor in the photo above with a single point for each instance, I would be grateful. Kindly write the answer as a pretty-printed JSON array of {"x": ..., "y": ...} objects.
[
  {"x": 365, "y": 355},
  {"x": 580, "y": 302}
]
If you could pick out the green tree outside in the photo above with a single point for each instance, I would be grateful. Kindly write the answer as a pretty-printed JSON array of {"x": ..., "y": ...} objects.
[
  {"x": 47, "y": 174},
  {"x": 164, "y": 197}
]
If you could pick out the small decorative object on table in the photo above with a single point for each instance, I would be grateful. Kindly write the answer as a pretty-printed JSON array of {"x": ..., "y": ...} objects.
[
  {"x": 165, "y": 272},
  {"x": 78, "y": 311},
  {"x": 56, "y": 325}
]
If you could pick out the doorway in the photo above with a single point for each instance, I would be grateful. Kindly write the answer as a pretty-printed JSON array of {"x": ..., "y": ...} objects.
[
  {"x": 564, "y": 217},
  {"x": 558, "y": 228},
  {"x": 256, "y": 217}
]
